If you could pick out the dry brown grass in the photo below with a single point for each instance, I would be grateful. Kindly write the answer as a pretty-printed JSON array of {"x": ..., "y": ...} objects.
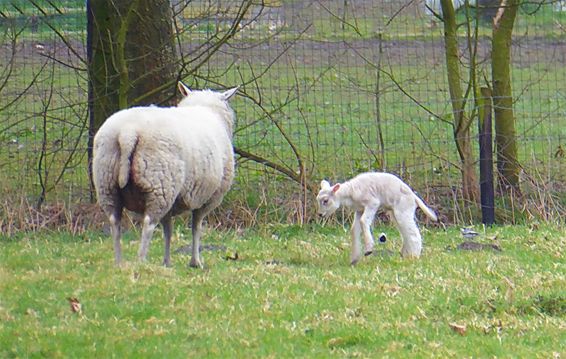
[
  {"x": 537, "y": 202},
  {"x": 21, "y": 215}
]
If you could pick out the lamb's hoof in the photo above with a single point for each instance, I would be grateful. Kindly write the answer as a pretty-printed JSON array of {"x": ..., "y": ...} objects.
[
  {"x": 410, "y": 256},
  {"x": 353, "y": 262},
  {"x": 368, "y": 253}
]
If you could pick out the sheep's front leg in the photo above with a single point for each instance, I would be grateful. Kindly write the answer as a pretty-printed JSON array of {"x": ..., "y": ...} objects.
[
  {"x": 147, "y": 233},
  {"x": 167, "y": 224},
  {"x": 116, "y": 231},
  {"x": 198, "y": 216},
  {"x": 366, "y": 220},
  {"x": 356, "y": 230}
]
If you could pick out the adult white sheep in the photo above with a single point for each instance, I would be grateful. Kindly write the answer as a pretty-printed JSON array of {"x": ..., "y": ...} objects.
[
  {"x": 366, "y": 194},
  {"x": 161, "y": 161}
]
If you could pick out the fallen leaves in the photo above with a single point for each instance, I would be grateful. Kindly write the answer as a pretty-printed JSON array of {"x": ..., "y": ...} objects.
[
  {"x": 75, "y": 304},
  {"x": 391, "y": 290},
  {"x": 458, "y": 328}
]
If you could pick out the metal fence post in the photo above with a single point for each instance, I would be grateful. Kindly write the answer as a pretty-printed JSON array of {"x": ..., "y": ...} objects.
[{"x": 486, "y": 159}]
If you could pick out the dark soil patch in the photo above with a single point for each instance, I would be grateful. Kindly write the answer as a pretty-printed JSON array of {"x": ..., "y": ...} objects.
[
  {"x": 549, "y": 305},
  {"x": 475, "y": 246}
]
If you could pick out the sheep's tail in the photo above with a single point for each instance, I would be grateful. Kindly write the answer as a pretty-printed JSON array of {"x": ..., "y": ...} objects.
[
  {"x": 429, "y": 212},
  {"x": 127, "y": 140}
]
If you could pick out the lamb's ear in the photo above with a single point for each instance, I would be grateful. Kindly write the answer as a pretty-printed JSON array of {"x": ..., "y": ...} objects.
[
  {"x": 336, "y": 187},
  {"x": 229, "y": 93},
  {"x": 183, "y": 89},
  {"x": 324, "y": 184}
]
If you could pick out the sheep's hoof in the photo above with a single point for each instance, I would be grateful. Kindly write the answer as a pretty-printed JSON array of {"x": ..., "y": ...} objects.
[
  {"x": 368, "y": 253},
  {"x": 354, "y": 262},
  {"x": 196, "y": 264}
]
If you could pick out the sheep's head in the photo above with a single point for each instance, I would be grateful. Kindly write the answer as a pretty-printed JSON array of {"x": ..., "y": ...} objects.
[
  {"x": 203, "y": 97},
  {"x": 327, "y": 200},
  {"x": 218, "y": 101}
]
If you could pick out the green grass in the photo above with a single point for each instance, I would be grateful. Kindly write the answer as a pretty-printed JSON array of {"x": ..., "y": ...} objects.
[
  {"x": 37, "y": 23},
  {"x": 290, "y": 293}
]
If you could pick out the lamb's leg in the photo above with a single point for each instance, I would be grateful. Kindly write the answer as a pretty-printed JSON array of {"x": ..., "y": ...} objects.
[
  {"x": 147, "y": 233},
  {"x": 198, "y": 215},
  {"x": 366, "y": 220},
  {"x": 356, "y": 229},
  {"x": 167, "y": 224},
  {"x": 116, "y": 231},
  {"x": 412, "y": 241}
]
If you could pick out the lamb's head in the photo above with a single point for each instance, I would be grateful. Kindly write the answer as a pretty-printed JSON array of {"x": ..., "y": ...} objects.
[
  {"x": 327, "y": 200},
  {"x": 208, "y": 98}
]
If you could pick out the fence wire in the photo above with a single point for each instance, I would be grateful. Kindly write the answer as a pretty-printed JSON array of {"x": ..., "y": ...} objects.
[{"x": 328, "y": 89}]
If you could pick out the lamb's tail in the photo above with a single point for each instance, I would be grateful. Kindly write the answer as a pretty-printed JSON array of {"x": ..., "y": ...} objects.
[
  {"x": 429, "y": 212},
  {"x": 127, "y": 140}
]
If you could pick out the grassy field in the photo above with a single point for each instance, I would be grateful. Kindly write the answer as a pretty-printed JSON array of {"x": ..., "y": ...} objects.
[{"x": 285, "y": 291}]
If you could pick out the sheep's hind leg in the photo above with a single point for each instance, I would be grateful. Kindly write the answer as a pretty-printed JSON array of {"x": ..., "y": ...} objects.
[
  {"x": 198, "y": 216},
  {"x": 147, "y": 233},
  {"x": 116, "y": 231},
  {"x": 167, "y": 224},
  {"x": 412, "y": 241}
]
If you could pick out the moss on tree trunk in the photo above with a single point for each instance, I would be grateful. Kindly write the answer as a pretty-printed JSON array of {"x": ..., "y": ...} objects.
[{"x": 505, "y": 134}]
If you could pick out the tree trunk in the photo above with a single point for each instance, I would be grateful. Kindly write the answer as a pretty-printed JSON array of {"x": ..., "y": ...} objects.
[
  {"x": 461, "y": 121},
  {"x": 505, "y": 134},
  {"x": 133, "y": 59}
]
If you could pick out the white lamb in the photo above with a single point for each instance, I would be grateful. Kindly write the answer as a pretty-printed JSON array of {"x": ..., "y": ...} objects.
[
  {"x": 160, "y": 162},
  {"x": 366, "y": 194}
]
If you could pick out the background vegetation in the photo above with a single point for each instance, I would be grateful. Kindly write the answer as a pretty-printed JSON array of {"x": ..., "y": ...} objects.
[{"x": 328, "y": 89}]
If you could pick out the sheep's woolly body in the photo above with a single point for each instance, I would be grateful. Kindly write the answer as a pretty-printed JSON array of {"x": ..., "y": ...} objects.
[
  {"x": 174, "y": 151},
  {"x": 163, "y": 161},
  {"x": 366, "y": 194}
]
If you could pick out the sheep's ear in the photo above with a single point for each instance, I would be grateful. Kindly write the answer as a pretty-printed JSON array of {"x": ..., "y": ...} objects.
[
  {"x": 336, "y": 187},
  {"x": 324, "y": 184},
  {"x": 183, "y": 89},
  {"x": 229, "y": 93}
]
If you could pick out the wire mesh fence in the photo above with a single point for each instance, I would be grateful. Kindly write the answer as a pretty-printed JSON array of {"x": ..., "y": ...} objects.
[{"x": 328, "y": 89}]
